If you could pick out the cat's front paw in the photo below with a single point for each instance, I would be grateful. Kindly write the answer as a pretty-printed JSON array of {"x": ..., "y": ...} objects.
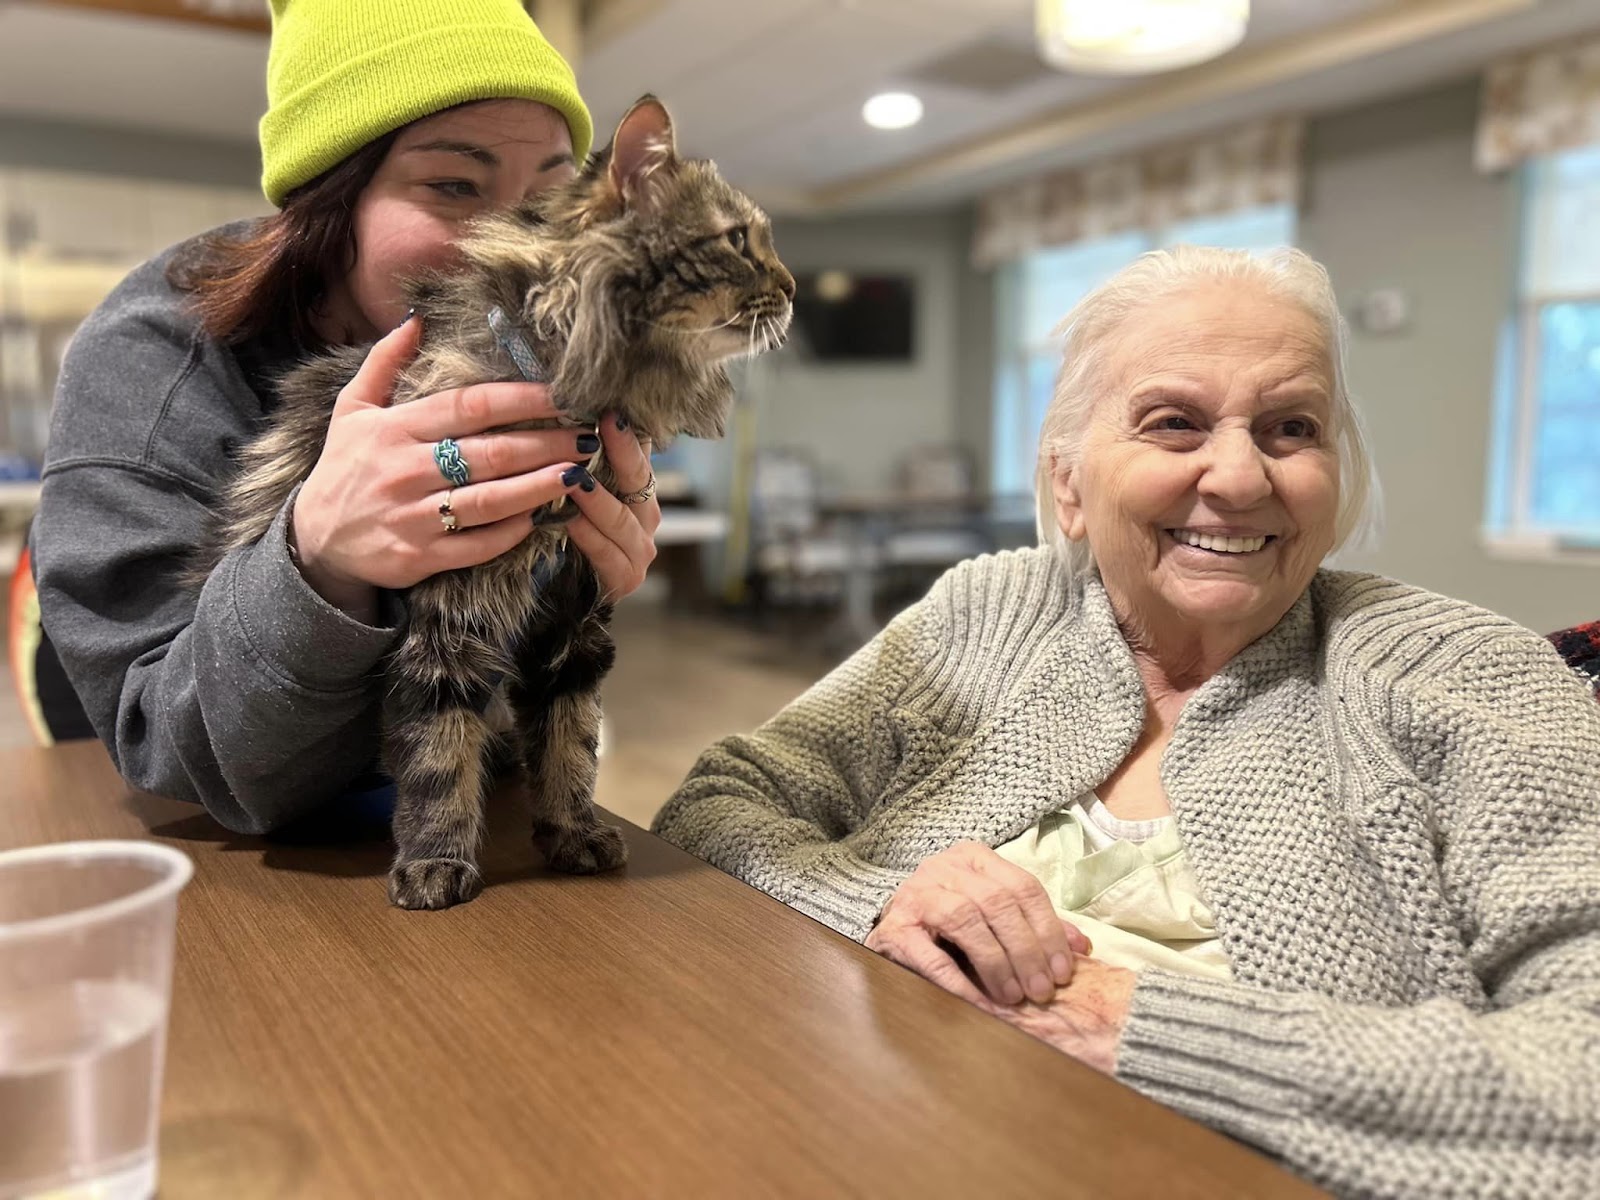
[
  {"x": 433, "y": 883},
  {"x": 583, "y": 850}
]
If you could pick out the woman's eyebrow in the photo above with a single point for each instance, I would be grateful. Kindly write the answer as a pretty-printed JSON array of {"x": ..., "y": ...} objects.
[
  {"x": 476, "y": 153},
  {"x": 487, "y": 157}
]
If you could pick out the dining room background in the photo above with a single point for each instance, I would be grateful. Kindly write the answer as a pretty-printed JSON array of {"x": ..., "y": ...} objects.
[{"x": 1441, "y": 158}]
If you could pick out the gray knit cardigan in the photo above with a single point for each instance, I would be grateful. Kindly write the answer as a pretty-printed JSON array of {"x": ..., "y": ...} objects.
[{"x": 1391, "y": 801}]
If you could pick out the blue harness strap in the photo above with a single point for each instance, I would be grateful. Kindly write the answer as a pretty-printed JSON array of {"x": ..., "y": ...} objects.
[{"x": 516, "y": 345}]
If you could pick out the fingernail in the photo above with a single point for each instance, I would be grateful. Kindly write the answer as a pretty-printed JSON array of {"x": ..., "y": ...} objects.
[
  {"x": 622, "y": 421},
  {"x": 1013, "y": 991},
  {"x": 1040, "y": 990},
  {"x": 1062, "y": 968},
  {"x": 410, "y": 312},
  {"x": 577, "y": 477},
  {"x": 588, "y": 443}
]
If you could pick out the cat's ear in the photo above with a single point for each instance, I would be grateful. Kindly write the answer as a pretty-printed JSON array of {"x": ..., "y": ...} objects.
[{"x": 643, "y": 154}]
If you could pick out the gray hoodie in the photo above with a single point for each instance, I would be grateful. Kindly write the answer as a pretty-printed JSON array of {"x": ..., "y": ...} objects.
[{"x": 253, "y": 697}]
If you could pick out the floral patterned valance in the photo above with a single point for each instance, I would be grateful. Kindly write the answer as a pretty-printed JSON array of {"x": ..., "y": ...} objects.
[
  {"x": 1538, "y": 103},
  {"x": 1255, "y": 165}
]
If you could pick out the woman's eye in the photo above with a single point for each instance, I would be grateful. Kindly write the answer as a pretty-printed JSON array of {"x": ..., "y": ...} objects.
[
  {"x": 1173, "y": 424},
  {"x": 1298, "y": 428},
  {"x": 736, "y": 239},
  {"x": 456, "y": 189}
]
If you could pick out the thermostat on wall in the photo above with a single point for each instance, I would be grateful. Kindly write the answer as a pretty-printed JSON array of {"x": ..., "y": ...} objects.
[{"x": 1383, "y": 310}]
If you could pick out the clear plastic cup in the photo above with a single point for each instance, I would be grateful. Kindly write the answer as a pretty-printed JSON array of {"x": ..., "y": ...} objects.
[{"x": 86, "y": 933}]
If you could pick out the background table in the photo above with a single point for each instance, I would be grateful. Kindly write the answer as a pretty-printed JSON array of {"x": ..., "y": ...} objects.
[{"x": 661, "y": 1032}]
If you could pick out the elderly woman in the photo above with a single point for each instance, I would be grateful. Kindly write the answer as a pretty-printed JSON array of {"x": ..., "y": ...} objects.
[{"x": 1311, "y": 856}]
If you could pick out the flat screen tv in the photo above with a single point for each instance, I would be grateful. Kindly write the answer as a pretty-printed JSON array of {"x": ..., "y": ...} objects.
[{"x": 840, "y": 316}]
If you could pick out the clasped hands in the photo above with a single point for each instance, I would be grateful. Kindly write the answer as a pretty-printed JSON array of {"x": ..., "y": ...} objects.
[{"x": 984, "y": 929}]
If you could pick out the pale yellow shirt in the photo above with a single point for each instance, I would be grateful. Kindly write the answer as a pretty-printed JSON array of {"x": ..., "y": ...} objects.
[{"x": 1127, "y": 885}]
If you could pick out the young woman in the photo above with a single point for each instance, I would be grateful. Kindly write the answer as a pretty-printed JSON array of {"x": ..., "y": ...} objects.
[{"x": 391, "y": 123}]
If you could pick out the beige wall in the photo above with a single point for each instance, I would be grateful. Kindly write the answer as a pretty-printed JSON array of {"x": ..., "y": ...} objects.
[
  {"x": 857, "y": 419},
  {"x": 70, "y": 146},
  {"x": 1393, "y": 201}
]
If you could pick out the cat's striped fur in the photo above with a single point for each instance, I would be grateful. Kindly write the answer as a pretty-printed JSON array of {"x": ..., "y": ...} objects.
[{"x": 631, "y": 285}]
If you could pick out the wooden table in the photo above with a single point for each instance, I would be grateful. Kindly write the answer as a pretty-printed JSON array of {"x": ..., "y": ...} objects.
[{"x": 662, "y": 1032}]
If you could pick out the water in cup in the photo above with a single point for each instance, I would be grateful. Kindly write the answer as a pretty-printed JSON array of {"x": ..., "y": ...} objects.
[
  {"x": 86, "y": 941},
  {"x": 75, "y": 1094}
]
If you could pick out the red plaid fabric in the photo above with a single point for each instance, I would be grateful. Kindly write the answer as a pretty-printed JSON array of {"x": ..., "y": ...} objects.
[{"x": 1580, "y": 646}]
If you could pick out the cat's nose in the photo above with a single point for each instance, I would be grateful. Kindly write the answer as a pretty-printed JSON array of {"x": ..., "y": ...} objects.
[{"x": 786, "y": 284}]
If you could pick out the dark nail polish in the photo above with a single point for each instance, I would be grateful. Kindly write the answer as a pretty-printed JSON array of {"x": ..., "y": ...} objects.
[
  {"x": 410, "y": 312},
  {"x": 577, "y": 477},
  {"x": 588, "y": 443},
  {"x": 622, "y": 421}
]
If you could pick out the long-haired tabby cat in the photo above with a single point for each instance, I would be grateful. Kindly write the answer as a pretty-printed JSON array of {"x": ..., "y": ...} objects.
[{"x": 630, "y": 286}]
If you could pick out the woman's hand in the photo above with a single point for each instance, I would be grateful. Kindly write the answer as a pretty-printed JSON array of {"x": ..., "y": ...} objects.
[
  {"x": 997, "y": 915},
  {"x": 1085, "y": 1019},
  {"x": 367, "y": 516},
  {"x": 618, "y": 538}
]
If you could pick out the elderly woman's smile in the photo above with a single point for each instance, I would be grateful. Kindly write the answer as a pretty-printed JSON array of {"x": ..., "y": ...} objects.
[
  {"x": 1221, "y": 541},
  {"x": 1206, "y": 482}
]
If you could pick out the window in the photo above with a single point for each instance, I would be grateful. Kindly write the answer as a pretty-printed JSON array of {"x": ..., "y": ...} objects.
[
  {"x": 1034, "y": 293},
  {"x": 1545, "y": 473}
]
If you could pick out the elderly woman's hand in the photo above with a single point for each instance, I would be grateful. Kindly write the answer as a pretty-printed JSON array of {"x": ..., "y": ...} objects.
[
  {"x": 1085, "y": 1019},
  {"x": 994, "y": 913}
]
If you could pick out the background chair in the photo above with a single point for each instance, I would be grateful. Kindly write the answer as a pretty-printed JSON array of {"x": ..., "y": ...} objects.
[
  {"x": 938, "y": 519},
  {"x": 798, "y": 557}
]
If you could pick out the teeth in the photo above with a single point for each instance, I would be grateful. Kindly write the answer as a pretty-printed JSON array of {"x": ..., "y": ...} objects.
[{"x": 1222, "y": 545}]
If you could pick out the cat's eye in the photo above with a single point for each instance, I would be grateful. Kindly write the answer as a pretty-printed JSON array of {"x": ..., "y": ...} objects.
[{"x": 736, "y": 238}]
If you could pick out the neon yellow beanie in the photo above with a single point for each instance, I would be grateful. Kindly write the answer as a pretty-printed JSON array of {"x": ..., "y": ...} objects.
[{"x": 344, "y": 72}]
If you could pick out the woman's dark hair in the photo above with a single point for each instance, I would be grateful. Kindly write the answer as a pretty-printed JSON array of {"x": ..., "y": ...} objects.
[{"x": 265, "y": 284}]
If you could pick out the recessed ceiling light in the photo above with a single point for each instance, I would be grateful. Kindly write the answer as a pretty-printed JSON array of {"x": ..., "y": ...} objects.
[{"x": 892, "y": 110}]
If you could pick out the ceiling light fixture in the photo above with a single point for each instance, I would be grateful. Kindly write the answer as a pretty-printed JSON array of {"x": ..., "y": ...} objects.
[
  {"x": 892, "y": 110},
  {"x": 1126, "y": 37}
]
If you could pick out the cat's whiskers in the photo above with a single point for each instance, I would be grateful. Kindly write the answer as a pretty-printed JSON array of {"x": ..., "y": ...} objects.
[
  {"x": 691, "y": 332},
  {"x": 769, "y": 332}
]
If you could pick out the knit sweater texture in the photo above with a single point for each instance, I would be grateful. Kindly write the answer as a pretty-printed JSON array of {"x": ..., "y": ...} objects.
[{"x": 1392, "y": 804}]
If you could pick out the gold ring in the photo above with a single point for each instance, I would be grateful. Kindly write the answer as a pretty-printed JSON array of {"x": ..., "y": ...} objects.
[
  {"x": 643, "y": 494},
  {"x": 447, "y": 516}
]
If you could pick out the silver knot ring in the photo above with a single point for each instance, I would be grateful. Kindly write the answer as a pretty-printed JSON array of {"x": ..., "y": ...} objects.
[
  {"x": 643, "y": 494},
  {"x": 447, "y": 516},
  {"x": 451, "y": 465}
]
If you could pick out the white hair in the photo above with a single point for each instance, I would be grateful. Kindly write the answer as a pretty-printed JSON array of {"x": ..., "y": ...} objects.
[{"x": 1086, "y": 333}]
